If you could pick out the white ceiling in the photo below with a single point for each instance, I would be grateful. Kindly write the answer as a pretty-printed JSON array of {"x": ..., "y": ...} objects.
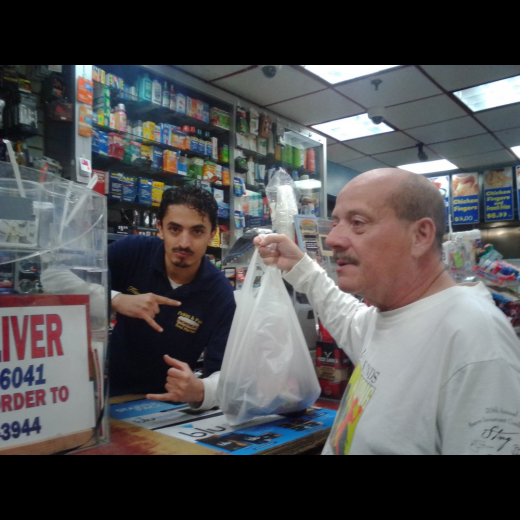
[{"x": 420, "y": 105}]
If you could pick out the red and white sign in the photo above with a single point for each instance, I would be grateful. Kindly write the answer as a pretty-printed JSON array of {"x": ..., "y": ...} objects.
[{"x": 46, "y": 379}]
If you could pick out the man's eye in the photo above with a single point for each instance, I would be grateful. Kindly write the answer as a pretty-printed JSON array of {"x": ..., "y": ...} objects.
[{"x": 357, "y": 223}]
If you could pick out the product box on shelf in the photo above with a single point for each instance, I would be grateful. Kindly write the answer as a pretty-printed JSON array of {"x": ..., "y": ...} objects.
[
  {"x": 129, "y": 189},
  {"x": 182, "y": 166},
  {"x": 116, "y": 146},
  {"x": 100, "y": 142},
  {"x": 102, "y": 184},
  {"x": 170, "y": 161},
  {"x": 135, "y": 151},
  {"x": 144, "y": 191},
  {"x": 115, "y": 190},
  {"x": 147, "y": 153},
  {"x": 149, "y": 131},
  {"x": 157, "y": 193},
  {"x": 157, "y": 158},
  {"x": 210, "y": 172},
  {"x": 220, "y": 118},
  {"x": 196, "y": 168}
]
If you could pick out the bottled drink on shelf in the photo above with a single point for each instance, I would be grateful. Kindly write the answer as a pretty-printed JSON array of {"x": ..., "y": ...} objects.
[
  {"x": 173, "y": 102},
  {"x": 166, "y": 95},
  {"x": 156, "y": 92},
  {"x": 120, "y": 114}
]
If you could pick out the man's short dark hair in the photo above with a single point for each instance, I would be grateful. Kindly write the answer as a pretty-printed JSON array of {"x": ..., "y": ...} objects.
[{"x": 194, "y": 198}]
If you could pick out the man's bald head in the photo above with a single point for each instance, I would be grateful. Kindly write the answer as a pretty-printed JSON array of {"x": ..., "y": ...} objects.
[{"x": 411, "y": 196}]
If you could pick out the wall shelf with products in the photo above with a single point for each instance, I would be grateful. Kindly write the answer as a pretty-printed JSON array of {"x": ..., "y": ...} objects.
[{"x": 169, "y": 140}]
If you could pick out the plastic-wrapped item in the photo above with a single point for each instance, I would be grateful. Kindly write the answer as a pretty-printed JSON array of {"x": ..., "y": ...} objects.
[
  {"x": 267, "y": 368},
  {"x": 283, "y": 199}
]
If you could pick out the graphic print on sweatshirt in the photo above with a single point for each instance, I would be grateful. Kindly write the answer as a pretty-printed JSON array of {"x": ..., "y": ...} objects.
[{"x": 358, "y": 394}]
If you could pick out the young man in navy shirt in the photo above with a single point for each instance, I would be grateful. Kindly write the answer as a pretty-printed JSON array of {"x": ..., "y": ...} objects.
[{"x": 173, "y": 305}]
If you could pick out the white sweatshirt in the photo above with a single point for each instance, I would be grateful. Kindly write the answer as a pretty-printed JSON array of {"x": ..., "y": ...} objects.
[{"x": 439, "y": 376}]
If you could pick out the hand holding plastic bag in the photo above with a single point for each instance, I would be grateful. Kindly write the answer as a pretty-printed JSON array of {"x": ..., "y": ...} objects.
[{"x": 267, "y": 367}]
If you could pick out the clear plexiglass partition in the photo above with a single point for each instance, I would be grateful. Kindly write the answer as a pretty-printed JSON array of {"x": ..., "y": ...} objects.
[{"x": 54, "y": 317}]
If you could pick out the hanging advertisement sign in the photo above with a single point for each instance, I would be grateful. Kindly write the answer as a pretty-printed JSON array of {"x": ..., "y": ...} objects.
[
  {"x": 46, "y": 380},
  {"x": 498, "y": 192},
  {"x": 443, "y": 183},
  {"x": 466, "y": 202}
]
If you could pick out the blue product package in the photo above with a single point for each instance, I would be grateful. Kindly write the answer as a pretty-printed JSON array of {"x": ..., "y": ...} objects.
[
  {"x": 116, "y": 186},
  {"x": 223, "y": 210},
  {"x": 103, "y": 143},
  {"x": 129, "y": 189},
  {"x": 95, "y": 141},
  {"x": 144, "y": 195},
  {"x": 157, "y": 158},
  {"x": 207, "y": 186}
]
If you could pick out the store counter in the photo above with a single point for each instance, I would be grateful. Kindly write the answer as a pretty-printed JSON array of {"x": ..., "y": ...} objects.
[{"x": 130, "y": 439}]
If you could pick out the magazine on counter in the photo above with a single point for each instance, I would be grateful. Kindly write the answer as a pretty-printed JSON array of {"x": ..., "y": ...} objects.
[{"x": 212, "y": 430}]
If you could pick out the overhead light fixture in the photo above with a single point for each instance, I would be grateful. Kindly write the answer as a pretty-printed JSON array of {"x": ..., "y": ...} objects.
[
  {"x": 491, "y": 95},
  {"x": 429, "y": 167},
  {"x": 421, "y": 153},
  {"x": 516, "y": 151},
  {"x": 352, "y": 128},
  {"x": 338, "y": 73}
]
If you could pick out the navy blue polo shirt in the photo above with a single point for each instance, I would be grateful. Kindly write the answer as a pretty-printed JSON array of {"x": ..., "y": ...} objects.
[{"x": 201, "y": 324}]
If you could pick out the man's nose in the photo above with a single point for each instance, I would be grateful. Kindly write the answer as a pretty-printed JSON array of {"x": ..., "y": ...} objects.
[
  {"x": 185, "y": 240},
  {"x": 338, "y": 238}
]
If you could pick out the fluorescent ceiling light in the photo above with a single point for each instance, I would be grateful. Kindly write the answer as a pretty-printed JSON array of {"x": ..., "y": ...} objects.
[
  {"x": 352, "y": 128},
  {"x": 491, "y": 95},
  {"x": 338, "y": 73},
  {"x": 516, "y": 151},
  {"x": 429, "y": 167}
]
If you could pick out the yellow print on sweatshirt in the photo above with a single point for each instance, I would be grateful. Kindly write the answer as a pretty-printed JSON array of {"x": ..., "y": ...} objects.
[{"x": 357, "y": 397}]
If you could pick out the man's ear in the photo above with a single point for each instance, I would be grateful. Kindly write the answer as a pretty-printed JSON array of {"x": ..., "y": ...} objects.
[
  {"x": 423, "y": 237},
  {"x": 212, "y": 236},
  {"x": 160, "y": 229}
]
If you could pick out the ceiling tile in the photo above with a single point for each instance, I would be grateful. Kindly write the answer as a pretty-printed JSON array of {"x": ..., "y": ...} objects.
[
  {"x": 398, "y": 86},
  {"x": 408, "y": 156},
  {"x": 382, "y": 143},
  {"x": 509, "y": 137},
  {"x": 254, "y": 86},
  {"x": 447, "y": 130},
  {"x": 500, "y": 118},
  {"x": 364, "y": 165},
  {"x": 211, "y": 72},
  {"x": 458, "y": 77},
  {"x": 319, "y": 107},
  {"x": 467, "y": 146},
  {"x": 423, "y": 112},
  {"x": 484, "y": 159},
  {"x": 339, "y": 154}
]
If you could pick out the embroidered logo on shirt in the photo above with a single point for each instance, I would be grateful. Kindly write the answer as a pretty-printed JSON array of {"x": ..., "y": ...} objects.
[{"x": 188, "y": 323}]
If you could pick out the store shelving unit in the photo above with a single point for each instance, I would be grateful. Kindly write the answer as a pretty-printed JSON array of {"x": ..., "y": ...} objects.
[{"x": 144, "y": 110}]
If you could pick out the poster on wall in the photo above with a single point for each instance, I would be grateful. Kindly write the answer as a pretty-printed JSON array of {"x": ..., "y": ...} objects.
[
  {"x": 498, "y": 192},
  {"x": 443, "y": 183},
  {"x": 46, "y": 378},
  {"x": 466, "y": 205}
]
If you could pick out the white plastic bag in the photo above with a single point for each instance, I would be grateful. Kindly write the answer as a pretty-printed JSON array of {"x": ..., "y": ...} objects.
[{"x": 267, "y": 368}]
